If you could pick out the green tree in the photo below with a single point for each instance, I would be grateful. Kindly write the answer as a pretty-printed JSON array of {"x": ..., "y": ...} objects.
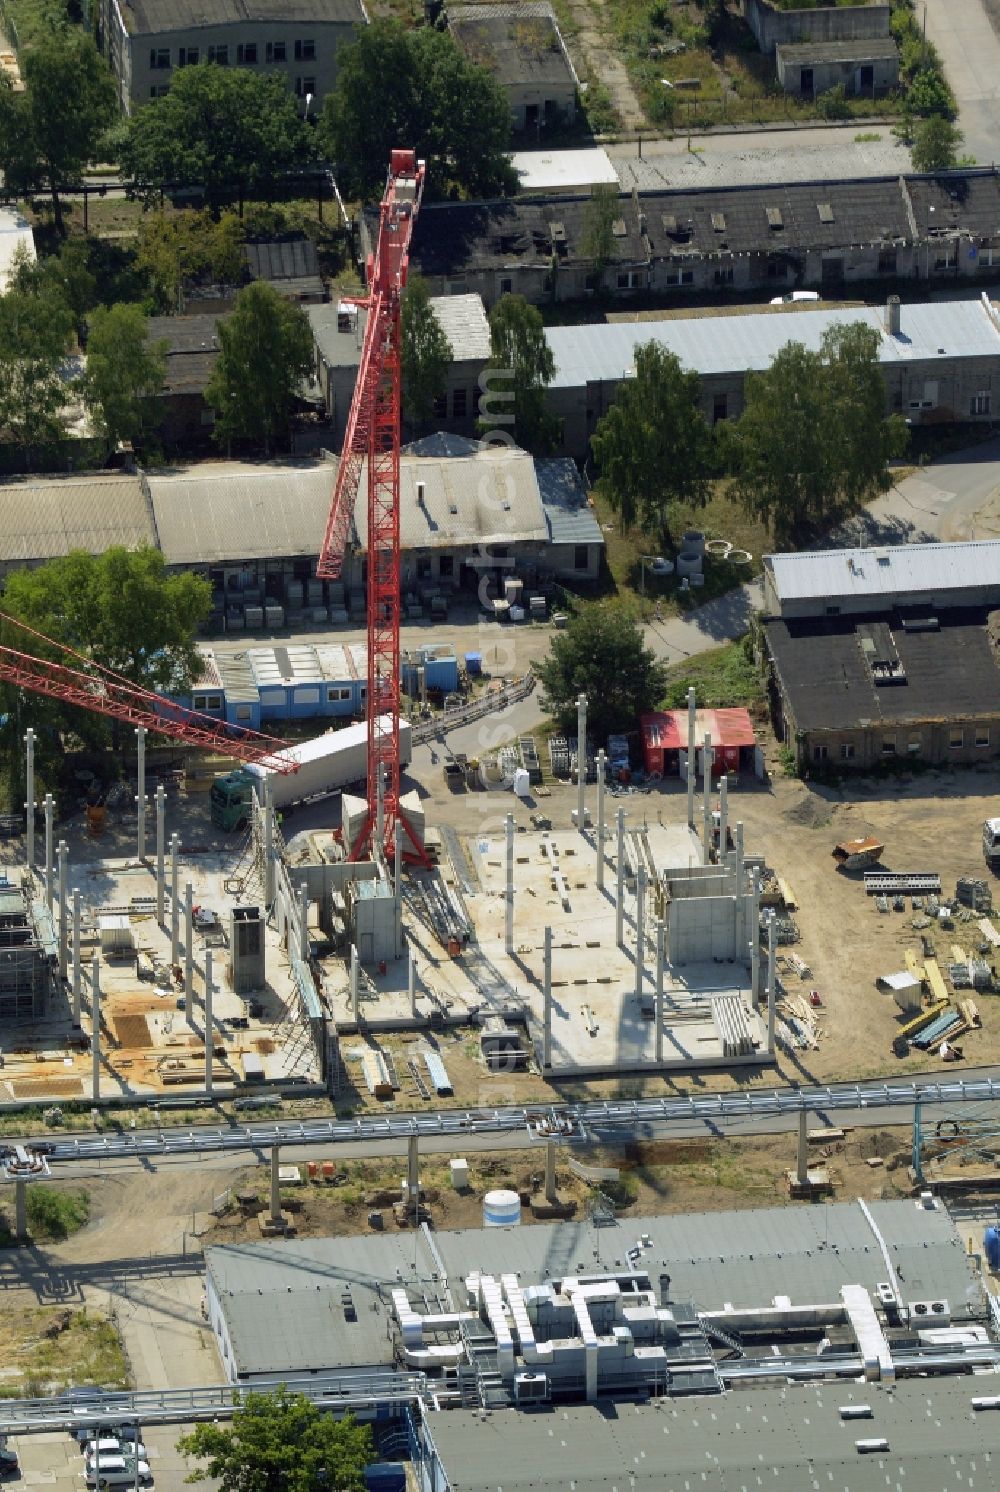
[
  {"x": 49, "y": 132},
  {"x": 266, "y": 349},
  {"x": 520, "y": 369},
  {"x": 426, "y": 353},
  {"x": 234, "y": 131},
  {"x": 399, "y": 87},
  {"x": 814, "y": 440},
  {"x": 124, "y": 374},
  {"x": 186, "y": 247},
  {"x": 279, "y": 1442},
  {"x": 601, "y": 654},
  {"x": 119, "y": 608},
  {"x": 653, "y": 446},
  {"x": 35, "y": 330},
  {"x": 598, "y": 240},
  {"x": 935, "y": 144}
]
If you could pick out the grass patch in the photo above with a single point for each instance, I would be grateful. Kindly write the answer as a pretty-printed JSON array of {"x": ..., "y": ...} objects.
[
  {"x": 866, "y": 137},
  {"x": 47, "y": 1349},
  {"x": 54, "y": 1214},
  {"x": 723, "y": 678},
  {"x": 28, "y": 21}
]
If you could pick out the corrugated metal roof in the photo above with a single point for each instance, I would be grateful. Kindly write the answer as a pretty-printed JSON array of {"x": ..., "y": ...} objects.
[
  {"x": 462, "y": 318},
  {"x": 47, "y": 518},
  {"x": 302, "y": 663},
  {"x": 570, "y": 518},
  {"x": 490, "y": 497},
  {"x": 669, "y": 728},
  {"x": 230, "y": 511},
  {"x": 904, "y": 570},
  {"x": 602, "y": 353}
]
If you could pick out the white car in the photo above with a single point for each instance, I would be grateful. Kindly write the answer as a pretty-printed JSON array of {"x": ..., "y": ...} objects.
[
  {"x": 117, "y": 1446},
  {"x": 792, "y": 297},
  {"x": 116, "y": 1473}
]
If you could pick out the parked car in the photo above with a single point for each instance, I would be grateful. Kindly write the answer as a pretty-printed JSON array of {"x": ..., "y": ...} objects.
[
  {"x": 9, "y": 1464},
  {"x": 114, "y": 1445}
]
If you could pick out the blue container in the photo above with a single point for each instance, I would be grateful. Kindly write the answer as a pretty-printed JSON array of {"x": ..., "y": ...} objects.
[
  {"x": 442, "y": 673},
  {"x": 991, "y": 1247},
  {"x": 386, "y": 1476},
  {"x": 473, "y": 664}
]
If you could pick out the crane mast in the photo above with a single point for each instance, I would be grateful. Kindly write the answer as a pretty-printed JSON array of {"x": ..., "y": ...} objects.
[{"x": 372, "y": 438}]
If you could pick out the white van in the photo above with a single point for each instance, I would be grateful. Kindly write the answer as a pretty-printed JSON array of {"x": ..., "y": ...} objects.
[
  {"x": 116, "y": 1472},
  {"x": 116, "y": 1446}
]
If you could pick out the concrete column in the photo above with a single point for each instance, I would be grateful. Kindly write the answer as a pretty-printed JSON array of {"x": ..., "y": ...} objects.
[
  {"x": 739, "y": 864},
  {"x": 723, "y": 819},
  {"x": 581, "y": 760},
  {"x": 547, "y": 994},
  {"x": 269, "y": 891},
  {"x": 551, "y": 1195},
  {"x": 508, "y": 940},
  {"x": 640, "y": 930},
  {"x": 188, "y": 951},
  {"x": 76, "y": 956},
  {"x": 706, "y": 752},
  {"x": 772, "y": 945},
  {"x": 354, "y": 982},
  {"x": 95, "y": 1035},
  {"x": 620, "y": 895},
  {"x": 161, "y": 834},
  {"x": 304, "y": 923},
  {"x": 691, "y": 774},
  {"x": 20, "y": 1207},
  {"x": 209, "y": 1027},
  {"x": 660, "y": 941},
  {"x": 411, "y": 982},
  {"x": 29, "y": 806},
  {"x": 63, "y": 857},
  {"x": 399, "y": 887},
  {"x": 275, "y": 1185},
  {"x": 601, "y": 768},
  {"x": 755, "y": 941},
  {"x": 140, "y": 746},
  {"x": 802, "y": 1151},
  {"x": 49, "y": 887},
  {"x": 412, "y": 1173},
  {"x": 175, "y": 905}
]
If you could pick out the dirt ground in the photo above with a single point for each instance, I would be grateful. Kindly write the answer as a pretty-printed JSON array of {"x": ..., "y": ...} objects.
[{"x": 655, "y": 1178}]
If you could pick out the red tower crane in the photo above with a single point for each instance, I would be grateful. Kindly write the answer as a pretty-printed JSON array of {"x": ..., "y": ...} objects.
[
  {"x": 372, "y": 436},
  {"x": 99, "y": 689}
]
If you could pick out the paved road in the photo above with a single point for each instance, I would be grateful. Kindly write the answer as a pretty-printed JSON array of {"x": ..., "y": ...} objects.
[
  {"x": 970, "y": 50},
  {"x": 956, "y": 498}
]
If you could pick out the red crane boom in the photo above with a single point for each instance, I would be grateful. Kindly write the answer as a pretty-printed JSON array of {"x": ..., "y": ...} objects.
[
  {"x": 105, "y": 692},
  {"x": 372, "y": 436}
]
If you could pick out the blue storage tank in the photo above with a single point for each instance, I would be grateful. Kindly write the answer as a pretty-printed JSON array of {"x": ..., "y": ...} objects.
[
  {"x": 473, "y": 664},
  {"x": 991, "y": 1247},
  {"x": 386, "y": 1476}
]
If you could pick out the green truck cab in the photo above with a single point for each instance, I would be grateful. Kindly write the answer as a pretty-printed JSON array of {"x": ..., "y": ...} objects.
[{"x": 231, "y": 799}]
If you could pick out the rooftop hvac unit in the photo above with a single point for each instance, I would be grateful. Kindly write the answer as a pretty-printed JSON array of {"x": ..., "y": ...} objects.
[
  {"x": 531, "y": 1388},
  {"x": 936, "y": 1311}
]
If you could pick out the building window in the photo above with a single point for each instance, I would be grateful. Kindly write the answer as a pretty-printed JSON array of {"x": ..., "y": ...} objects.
[
  {"x": 819, "y": 753},
  {"x": 777, "y": 268},
  {"x": 506, "y": 286},
  {"x": 206, "y": 701},
  {"x": 913, "y": 746},
  {"x": 581, "y": 557},
  {"x": 889, "y": 746},
  {"x": 219, "y": 55},
  {"x": 275, "y": 51},
  {"x": 680, "y": 277},
  {"x": 334, "y": 696},
  {"x": 630, "y": 279},
  {"x": 720, "y": 408},
  {"x": 847, "y": 751},
  {"x": 460, "y": 403},
  {"x": 441, "y": 407},
  {"x": 887, "y": 261},
  {"x": 187, "y": 57},
  {"x": 243, "y": 713},
  {"x": 956, "y": 738},
  {"x": 246, "y": 53},
  {"x": 305, "y": 87},
  {"x": 446, "y": 566},
  {"x": 159, "y": 57},
  {"x": 982, "y": 735},
  {"x": 305, "y": 51},
  {"x": 981, "y": 403},
  {"x": 423, "y": 567},
  {"x": 946, "y": 259},
  {"x": 157, "y": 90},
  {"x": 724, "y": 276}
]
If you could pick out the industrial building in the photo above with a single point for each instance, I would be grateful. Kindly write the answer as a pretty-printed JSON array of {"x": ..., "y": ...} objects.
[
  {"x": 863, "y": 69},
  {"x": 664, "y": 737},
  {"x": 48, "y": 517},
  {"x": 27, "y": 952},
  {"x": 940, "y": 360},
  {"x": 523, "y": 48},
  {"x": 678, "y": 1308},
  {"x": 146, "y": 43},
  {"x": 190, "y": 347},
  {"x": 909, "y": 633},
  {"x": 728, "y": 241}
]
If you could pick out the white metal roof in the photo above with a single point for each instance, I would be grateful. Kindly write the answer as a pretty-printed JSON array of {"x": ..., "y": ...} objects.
[
  {"x": 462, "y": 318},
  {"x": 563, "y": 170},
  {"x": 735, "y": 344},
  {"x": 237, "y": 510},
  {"x": 894, "y": 570},
  {"x": 490, "y": 497}
]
